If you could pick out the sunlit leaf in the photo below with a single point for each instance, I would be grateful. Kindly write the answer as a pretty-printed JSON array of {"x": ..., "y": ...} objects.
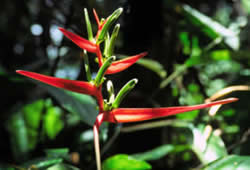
[
  {"x": 32, "y": 113},
  {"x": 246, "y": 5},
  {"x": 209, "y": 149},
  {"x": 124, "y": 162},
  {"x": 220, "y": 55},
  {"x": 230, "y": 162},
  {"x": 212, "y": 28},
  {"x": 188, "y": 115},
  {"x": 53, "y": 123}
]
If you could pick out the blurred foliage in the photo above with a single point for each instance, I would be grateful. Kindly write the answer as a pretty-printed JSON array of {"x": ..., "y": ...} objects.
[{"x": 196, "y": 48}]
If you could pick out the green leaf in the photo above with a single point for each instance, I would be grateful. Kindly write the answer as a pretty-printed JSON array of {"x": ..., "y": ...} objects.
[
  {"x": 83, "y": 105},
  {"x": 18, "y": 136},
  {"x": 212, "y": 28},
  {"x": 154, "y": 66},
  {"x": 232, "y": 162},
  {"x": 246, "y": 5},
  {"x": 155, "y": 154},
  {"x": 220, "y": 55},
  {"x": 53, "y": 123},
  {"x": 32, "y": 113},
  {"x": 124, "y": 162},
  {"x": 184, "y": 39},
  {"x": 42, "y": 163},
  {"x": 208, "y": 150},
  {"x": 63, "y": 166},
  {"x": 61, "y": 152},
  {"x": 8, "y": 167},
  {"x": 188, "y": 115}
]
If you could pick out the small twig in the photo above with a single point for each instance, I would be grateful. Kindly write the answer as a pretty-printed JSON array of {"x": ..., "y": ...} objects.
[
  {"x": 111, "y": 140},
  {"x": 156, "y": 124},
  {"x": 226, "y": 91},
  {"x": 243, "y": 139}
]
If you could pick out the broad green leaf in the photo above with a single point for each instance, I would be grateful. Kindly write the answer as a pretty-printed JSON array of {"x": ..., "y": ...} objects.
[
  {"x": 124, "y": 162},
  {"x": 188, "y": 115},
  {"x": 155, "y": 154},
  {"x": 62, "y": 166},
  {"x": 220, "y": 55},
  {"x": 8, "y": 167},
  {"x": 209, "y": 149},
  {"x": 61, "y": 152},
  {"x": 154, "y": 66},
  {"x": 53, "y": 123},
  {"x": 42, "y": 163},
  {"x": 212, "y": 28},
  {"x": 246, "y": 5},
  {"x": 232, "y": 162},
  {"x": 32, "y": 113},
  {"x": 18, "y": 136},
  {"x": 78, "y": 104}
]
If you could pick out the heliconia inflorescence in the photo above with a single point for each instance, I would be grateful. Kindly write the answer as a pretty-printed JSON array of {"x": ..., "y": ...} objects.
[{"x": 110, "y": 111}]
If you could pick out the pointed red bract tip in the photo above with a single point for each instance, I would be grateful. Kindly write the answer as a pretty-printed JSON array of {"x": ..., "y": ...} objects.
[
  {"x": 124, "y": 115},
  {"x": 96, "y": 17},
  {"x": 123, "y": 64},
  {"x": 79, "y": 41},
  {"x": 71, "y": 85}
]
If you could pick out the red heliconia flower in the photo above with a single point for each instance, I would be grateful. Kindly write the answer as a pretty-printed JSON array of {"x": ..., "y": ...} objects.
[
  {"x": 126, "y": 115},
  {"x": 71, "y": 85},
  {"x": 116, "y": 66},
  {"x": 100, "y": 25},
  {"x": 120, "y": 65},
  {"x": 81, "y": 42},
  {"x": 119, "y": 115}
]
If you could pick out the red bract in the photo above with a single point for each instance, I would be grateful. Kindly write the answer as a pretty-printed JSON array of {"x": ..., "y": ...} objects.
[
  {"x": 100, "y": 25},
  {"x": 81, "y": 42},
  {"x": 96, "y": 18},
  {"x": 71, "y": 85},
  {"x": 123, "y": 64},
  {"x": 125, "y": 115}
]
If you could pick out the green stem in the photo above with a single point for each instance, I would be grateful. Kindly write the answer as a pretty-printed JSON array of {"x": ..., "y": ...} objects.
[{"x": 175, "y": 74}]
